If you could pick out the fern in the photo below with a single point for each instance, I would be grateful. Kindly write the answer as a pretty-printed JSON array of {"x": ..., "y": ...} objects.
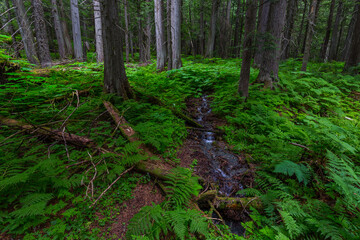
[
  {"x": 290, "y": 168},
  {"x": 181, "y": 186}
]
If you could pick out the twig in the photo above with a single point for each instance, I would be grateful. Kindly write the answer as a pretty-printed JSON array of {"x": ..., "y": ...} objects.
[
  {"x": 91, "y": 183},
  {"x": 302, "y": 146},
  {"x": 12, "y": 135},
  {"x": 75, "y": 164},
  {"x": 102, "y": 194},
  {"x": 66, "y": 148},
  {"x": 77, "y": 106}
]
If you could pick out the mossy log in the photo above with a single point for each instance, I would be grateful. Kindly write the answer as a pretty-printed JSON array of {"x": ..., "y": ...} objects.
[
  {"x": 126, "y": 130},
  {"x": 57, "y": 135},
  {"x": 230, "y": 203},
  {"x": 155, "y": 169}
]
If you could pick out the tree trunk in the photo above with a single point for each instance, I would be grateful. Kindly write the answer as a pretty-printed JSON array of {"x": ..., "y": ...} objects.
[
  {"x": 225, "y": 32},
  {"x": 212, "y": 33},
  {"x": 169, "y": 45},
  {"x": 202, "y": 30},
  {"x": 76, "y": 31},
  {"x": 336, "y": 32},
  {"x": 64, "y": 27},
  {"x": 11, "y": 30},
  {"x": 115, "y": 79},
  {"x": 41, "y": 35},
  {"x": 351, "y": 29},
  {"x": 176, "y": 33},
  {"x": 271, "y": 55},
  {"x": 354, "y": 49},
  {"x": 160, "y": 36},
  {"x": 290, "y": 20},
  {"x": 85, "y": 44},
  {"x": 148, "y": 33},
  {"x": 98, "y": 32},
  {"x": 302, "y": 27},
  {"x": 250, "y": 25},
  {"x": 26, "y": 34},
  {"x": 328, "y": 31},
  {"x": 238, "y": 30},
  {"x": 127, "y": 45},
  {"x": 262, "y": 28},
  {"x": 309, "y": 35},
  {"x": 58, "y": 30},
  {"x": 142, "y": 54}
]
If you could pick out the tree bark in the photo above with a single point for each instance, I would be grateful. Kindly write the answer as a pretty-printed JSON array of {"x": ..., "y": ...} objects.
[
  {"x": 202, "y": 30},
  {"x": 76, "y": 30},
  {"x": 142, "y": 35},
  {"x": 64, "y": 27},
  {"x": 11, "y": 30},
  {"x": 115, "y": 79},
  {"x": 290, "y": 20},
  {"x": 336, "y": 33},
  {"x": 148, "y": 32},
  {"x": 98, "y": 32},
  {"x": 309, "y": 35},
  {"x": 212, "y": 33},
  {"x": 26, "y": 34},
  {"x": 271, "y": 55},
  {"x": 169, "y": 45},
  {"x": 238, "y": 30},
  {"x": 354, "y": 49},
  {"x": 302, "y": 27},
  {"x": 250, "y": 25},
  {"x": 176, "y": 34},
  {"x": 325, "y": 44},
  {"x": 58, "y": 30},
  {"x": 127, "y": 45},
  {"x": 41, "y": 35},
  {"x": 225, "y": 31},
  {"x": 351, "y": 29},
  {"x": 262, "y": 29},
  {"x": 160, "y": 36}
]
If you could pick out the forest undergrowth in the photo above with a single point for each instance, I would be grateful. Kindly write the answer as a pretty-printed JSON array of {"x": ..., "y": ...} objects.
[{"x": 303, "y": 137}]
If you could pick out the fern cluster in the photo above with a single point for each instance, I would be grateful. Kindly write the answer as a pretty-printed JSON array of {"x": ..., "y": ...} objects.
[{"x": 172, "y": 216}]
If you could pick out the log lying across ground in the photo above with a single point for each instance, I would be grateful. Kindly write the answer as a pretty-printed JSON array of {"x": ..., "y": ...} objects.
[
  {"x": 155, "y": 169},
  {"x": 54, "y": 134},
  {"x": 233, "y": 203}
]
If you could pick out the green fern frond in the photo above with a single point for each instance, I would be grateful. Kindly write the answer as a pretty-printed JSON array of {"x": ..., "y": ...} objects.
[{"x": 290, "y": 168}]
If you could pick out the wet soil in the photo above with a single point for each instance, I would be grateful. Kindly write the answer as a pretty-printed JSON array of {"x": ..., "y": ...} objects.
[
  {"x": 221, "y": 168},
  {"x": 143, "y": 195}
]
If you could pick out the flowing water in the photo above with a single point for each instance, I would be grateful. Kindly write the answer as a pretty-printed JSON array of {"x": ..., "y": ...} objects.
[{"x": 225, "y": 167}]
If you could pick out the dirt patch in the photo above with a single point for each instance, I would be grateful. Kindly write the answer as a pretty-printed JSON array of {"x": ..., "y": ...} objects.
[{"x": 144, "y": 195}]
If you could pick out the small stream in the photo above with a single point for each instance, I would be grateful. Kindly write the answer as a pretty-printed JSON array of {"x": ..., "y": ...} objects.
[{"x": 225, "y": 167}]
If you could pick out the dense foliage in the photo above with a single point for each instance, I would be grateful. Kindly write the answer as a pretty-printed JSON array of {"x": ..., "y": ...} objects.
[{"x": 303, "y": 137}]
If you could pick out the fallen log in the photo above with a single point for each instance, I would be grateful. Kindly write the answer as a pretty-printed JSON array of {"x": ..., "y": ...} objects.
[
  {"x": 155, "y": 169},
  {"x": 230, "y": 203},
  {"x": 57, "y": 135},
  {"x": 126, "y": 130}
]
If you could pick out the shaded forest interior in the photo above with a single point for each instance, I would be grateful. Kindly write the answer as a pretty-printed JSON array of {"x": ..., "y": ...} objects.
[{"x": 180, "y": 119}]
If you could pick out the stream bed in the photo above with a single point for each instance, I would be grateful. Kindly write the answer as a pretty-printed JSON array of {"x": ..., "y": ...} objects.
[{"x": 217, "y": 164}]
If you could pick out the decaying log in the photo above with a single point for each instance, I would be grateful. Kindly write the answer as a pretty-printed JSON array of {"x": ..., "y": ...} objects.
[
  {"x": 57, "y": 135},
  {"x": 149, "y": 167},
  {"x": 237, "y": 203},
  {"x": 233, "y": 203},
  {"x": 126, "y": 130}
]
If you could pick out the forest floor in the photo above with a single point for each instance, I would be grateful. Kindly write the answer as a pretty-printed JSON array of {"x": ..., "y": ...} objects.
[{"x": 294, "y": 148}]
